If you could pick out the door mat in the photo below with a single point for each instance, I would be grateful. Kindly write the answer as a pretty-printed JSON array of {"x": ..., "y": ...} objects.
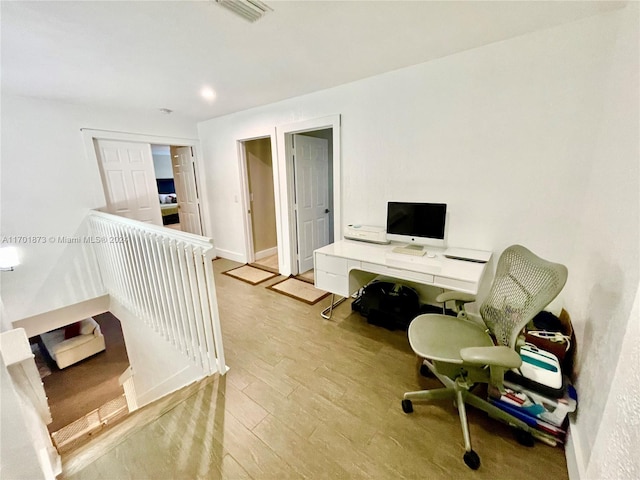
[
  {"x": 300, "y": 290},
  {"x": 250, "y": 274}
]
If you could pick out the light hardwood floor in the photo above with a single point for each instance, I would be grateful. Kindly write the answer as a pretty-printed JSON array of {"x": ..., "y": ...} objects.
[
  {"x": 269, "y": 263},
  {"x": 310, "y": 398}
]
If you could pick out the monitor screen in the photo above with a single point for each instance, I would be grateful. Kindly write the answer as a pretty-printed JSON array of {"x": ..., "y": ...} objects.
[{"x": 414, "y": 222}]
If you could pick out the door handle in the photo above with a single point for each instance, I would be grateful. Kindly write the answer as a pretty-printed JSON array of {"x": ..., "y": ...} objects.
[{"x": 326, "y": 210}]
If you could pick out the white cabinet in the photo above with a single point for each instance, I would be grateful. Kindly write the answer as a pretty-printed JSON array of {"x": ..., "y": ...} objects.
[{"x": 332, "y": 274}]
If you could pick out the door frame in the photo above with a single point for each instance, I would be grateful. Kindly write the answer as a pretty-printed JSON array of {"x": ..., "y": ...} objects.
[
  {"x": 245, "y": 201},
  {"x": 90, "y": 134},
  {"x": 287, "y": 257}
]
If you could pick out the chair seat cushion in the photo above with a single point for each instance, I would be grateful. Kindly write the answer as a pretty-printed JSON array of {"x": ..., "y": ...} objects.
[{"x": 441, "y": 337}]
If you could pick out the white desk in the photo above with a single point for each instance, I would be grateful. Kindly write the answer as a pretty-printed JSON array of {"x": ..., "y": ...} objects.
[{"x": 344, "y": 267}]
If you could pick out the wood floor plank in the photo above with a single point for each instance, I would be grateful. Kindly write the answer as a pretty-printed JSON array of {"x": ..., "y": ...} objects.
[
  {"x": 243, "y": 407},
  {"x": 283, "y": 408},
  {"x": 307, "y": 459},
  {"x": 350, "y": 455}
]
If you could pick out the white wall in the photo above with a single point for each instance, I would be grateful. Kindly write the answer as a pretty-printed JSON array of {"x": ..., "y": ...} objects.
[
  {"x": 501, "y": 133},
  {"x": 614, "y": 453},
  {"x": 533, "y": 140},
  {"x": 162, "y": 165},
  {"x": 605, "y": 269},
  {"x": 47, "y": 186},
  {"x": 17, "y": 447}
]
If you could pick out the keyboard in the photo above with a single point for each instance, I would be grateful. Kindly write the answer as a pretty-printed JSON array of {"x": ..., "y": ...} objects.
[{"x": 415, "y": 250}]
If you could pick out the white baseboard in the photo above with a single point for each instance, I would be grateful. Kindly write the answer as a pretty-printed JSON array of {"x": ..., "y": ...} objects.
[
  {"x": 229, "y": 255},
  {"x": 574, "y": 453},
  {"x": 266, "y": 253}
]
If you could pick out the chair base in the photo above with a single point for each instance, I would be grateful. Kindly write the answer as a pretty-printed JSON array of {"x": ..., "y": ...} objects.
[{"x": 462, "y": 396}]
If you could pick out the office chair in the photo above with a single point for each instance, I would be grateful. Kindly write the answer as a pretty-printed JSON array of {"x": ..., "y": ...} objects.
[{"x": 462, "y": 352}]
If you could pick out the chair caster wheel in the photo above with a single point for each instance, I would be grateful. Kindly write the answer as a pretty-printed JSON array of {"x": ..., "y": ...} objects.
[
  {"x": 407, "y": 406},
  {"x": 524, "y": 438},
  {"x": 425, "y": 372},
  {"x": 472, "y": 460}
]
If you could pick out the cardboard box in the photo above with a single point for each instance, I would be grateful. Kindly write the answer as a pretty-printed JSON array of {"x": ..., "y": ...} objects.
[{"x": 566, "y": 357}]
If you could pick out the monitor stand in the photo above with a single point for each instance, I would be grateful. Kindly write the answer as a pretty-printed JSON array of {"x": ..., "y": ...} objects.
[{"x": 415, "y": 250}]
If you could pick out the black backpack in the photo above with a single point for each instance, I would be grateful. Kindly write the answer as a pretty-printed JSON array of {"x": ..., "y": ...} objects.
[{"x": 387, "y": 304}]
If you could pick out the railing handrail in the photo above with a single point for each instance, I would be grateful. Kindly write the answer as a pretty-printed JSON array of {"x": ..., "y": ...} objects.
[
  {"x": 165, "y": 278},
  {"x": 195, "y": 240}
]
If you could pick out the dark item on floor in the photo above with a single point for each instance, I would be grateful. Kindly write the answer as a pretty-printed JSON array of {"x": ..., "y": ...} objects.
[
  {"x": 545, "y": 390},
  {"x": 386, "y": 304},
  {"x": 171, "y": 219}
]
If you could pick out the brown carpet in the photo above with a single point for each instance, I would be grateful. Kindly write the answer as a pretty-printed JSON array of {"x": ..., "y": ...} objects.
[
  {"x": 249, "y": 274},
  {"x": 300, "y": 290},
  {"x": 89, "y": 384}
]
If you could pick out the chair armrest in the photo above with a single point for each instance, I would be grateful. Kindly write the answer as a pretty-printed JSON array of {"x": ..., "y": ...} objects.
[
  {"x": 457, "y": 296},
  {"x": 496, "y": 356}
]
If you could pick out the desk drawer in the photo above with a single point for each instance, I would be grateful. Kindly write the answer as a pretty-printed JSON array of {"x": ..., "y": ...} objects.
[
  {"x": 399, "y": 273},
  {"x": 330, "y": 282},
  {"x": 330, "y": 264},
  {"x": 458, "y": 285}
]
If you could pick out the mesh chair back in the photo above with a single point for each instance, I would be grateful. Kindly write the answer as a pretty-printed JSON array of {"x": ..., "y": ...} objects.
[{"x": 524, "y": 284}]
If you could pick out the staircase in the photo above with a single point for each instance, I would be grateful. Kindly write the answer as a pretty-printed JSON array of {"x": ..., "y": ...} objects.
[{"x": 159, "y": 282}]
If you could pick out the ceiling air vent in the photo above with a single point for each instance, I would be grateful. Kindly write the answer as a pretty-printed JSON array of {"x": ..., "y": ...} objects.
[{"x": 251, "y": 10}]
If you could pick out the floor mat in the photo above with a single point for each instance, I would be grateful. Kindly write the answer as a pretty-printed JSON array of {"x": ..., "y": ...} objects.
[
  {"x": 300, "y": 290},
  {"x": 250, "y": 274}
]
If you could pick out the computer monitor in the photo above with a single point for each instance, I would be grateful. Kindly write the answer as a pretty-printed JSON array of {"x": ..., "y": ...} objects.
[{"x": 416, "y": 223}]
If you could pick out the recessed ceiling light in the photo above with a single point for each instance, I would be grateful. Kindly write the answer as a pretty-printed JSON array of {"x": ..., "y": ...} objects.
[{"x": 208, "y": 93}]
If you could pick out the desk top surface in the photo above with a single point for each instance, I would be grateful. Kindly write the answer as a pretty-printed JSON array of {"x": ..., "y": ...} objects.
[{"x": 384, "y": 255}]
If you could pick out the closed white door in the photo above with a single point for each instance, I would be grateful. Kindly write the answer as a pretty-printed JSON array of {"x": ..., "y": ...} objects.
[
  {"x": 186, "y": 190},
  {"x": 311, "y": 175},
  {"x": 129, "y": 180}
]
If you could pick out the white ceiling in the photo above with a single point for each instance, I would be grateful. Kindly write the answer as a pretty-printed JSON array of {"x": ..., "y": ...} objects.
[{"x": 148, "y": 55}]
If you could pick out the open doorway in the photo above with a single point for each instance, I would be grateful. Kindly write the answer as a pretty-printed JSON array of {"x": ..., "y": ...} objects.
[
  {"x": 259, "y": 201},
  {"x": 126, "y": 168},
  {"x": 175, "y": 175},
  {"x": 297, "y": 250}
]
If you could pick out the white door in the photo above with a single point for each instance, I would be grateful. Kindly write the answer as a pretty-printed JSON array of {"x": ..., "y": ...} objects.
[
  {"x": 129, "y": 180},
  {"x": 311, "y": 176},
  {"x": 184, "y": 178}
]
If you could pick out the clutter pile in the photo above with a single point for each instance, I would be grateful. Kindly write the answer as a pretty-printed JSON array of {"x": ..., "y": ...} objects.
[{"x": 540, "y": 392}]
